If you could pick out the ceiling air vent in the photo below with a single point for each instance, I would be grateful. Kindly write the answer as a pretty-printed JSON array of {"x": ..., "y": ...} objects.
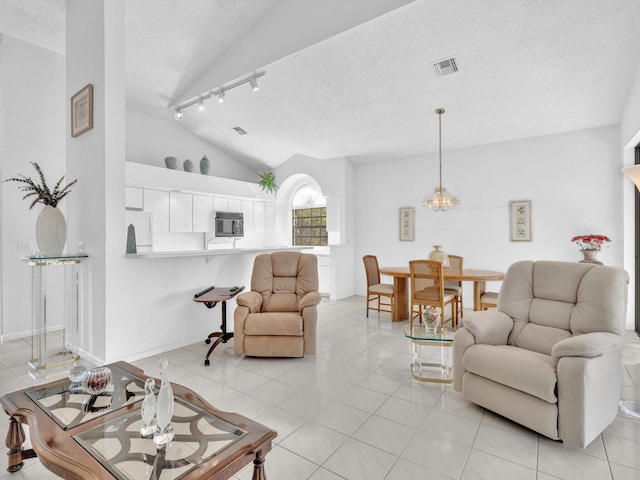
[
  {"x": 239, "y": 130},
  {"x": 445, "y": 67}
]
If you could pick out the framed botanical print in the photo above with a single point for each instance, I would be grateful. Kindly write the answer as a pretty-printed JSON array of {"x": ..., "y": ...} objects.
[
  {"x": 407, "y": 224},
  {"x": 520, "y": 220},
  {"x": 82, "y": 111}
]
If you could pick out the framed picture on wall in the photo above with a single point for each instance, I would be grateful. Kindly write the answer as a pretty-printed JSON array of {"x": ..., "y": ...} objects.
[
  {"x": 520, "y": 220},
  {"x": 82, "y": 111},
  {"x": 407, "y": 223}
]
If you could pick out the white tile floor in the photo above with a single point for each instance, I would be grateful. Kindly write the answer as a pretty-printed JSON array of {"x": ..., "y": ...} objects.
[{"x": 353, "y": 412}]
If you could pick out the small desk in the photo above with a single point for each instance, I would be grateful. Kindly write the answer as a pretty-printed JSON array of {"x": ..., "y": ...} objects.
[
  {"x": 106, "y": 444},
  {"x": 210, "y": 297},
  {"x": 401, "y": 277}
]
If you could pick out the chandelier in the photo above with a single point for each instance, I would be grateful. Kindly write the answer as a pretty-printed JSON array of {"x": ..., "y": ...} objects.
[{"x": 440, "y": 200}]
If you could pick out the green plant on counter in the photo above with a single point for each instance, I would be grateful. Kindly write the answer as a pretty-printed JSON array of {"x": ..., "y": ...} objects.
[
  {"x": 41, "y": 191},
  {"x": 268, "y": 182}
]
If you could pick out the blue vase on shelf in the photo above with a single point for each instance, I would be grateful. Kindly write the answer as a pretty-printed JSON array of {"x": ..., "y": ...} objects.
[{"x": 204, "y": 166}]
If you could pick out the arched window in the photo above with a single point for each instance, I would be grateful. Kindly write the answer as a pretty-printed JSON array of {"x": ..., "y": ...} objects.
[{"x": 309, "y": 216}]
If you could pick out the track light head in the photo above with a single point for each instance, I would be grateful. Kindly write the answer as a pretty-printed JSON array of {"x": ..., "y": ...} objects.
[
  {"x": 221, "y": 96},
  {"x": 201, "y": 105},
  {"x": 253, "y": 81},
  {"x": 179, "y": 116}
]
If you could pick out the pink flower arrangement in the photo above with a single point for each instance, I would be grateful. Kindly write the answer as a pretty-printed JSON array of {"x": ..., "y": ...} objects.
[{"x": 590, "y": 242}]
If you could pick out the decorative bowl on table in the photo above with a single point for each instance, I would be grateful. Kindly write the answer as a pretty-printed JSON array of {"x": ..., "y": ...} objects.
[{"x": 96, "y": 380}]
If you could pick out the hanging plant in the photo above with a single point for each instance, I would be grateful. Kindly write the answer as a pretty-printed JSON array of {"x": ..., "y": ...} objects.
[
  {"x": 41, "y": 191},
  {"x": 268, "y": 182}
]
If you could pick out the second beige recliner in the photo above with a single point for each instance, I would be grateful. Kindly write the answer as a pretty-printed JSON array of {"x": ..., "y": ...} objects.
[
  {"x": 278, "y": 317},
  {"x": 550, "y": 356}
]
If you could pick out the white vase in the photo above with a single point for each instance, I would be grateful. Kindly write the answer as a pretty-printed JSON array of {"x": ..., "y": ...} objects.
[
  {"x": 51, "y": 231},
  {"x": 591, "y": 256},
  {"x": 439, "y": 256}
]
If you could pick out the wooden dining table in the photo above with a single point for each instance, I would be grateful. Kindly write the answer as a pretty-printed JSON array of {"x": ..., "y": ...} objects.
[{"x": 401, "y": 277}]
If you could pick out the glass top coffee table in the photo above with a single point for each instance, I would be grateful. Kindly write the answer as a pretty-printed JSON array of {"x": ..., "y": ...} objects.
[
  {"x": 78, "y": 435},
  {"x": 421, "y": 338}
]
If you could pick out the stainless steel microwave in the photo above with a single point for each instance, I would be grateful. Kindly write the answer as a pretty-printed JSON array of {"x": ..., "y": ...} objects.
[{"x": 229, "y": 224}]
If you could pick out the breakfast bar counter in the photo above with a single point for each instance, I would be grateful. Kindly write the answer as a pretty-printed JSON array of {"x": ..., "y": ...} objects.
[{"x": 213, "y": 252}]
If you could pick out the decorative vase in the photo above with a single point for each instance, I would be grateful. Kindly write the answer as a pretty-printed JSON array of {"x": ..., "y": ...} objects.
[
  {"x": 97, "y": 380},
  {"x": 171, "y": 162},
  {"x": 204, "y": 166},
  {"x": 431, "y": 318},
  {"x": 164, "y": 408},
  {"x": 187, "y": 165},
  {"x": 148, "y": 409},
  {"x": 590, "y": 256},
  {"x": 439, "y": 256},
  {"x": 51, "y": 231}
]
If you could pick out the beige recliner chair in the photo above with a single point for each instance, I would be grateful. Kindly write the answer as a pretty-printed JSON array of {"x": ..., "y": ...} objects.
[
  {"x": 550, "y": 356},
  {"x": 277, "y": 318}
]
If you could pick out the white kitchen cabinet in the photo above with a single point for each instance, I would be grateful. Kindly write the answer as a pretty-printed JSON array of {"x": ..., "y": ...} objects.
[
  {"x": 247, "y": 213},
  {"x": 133, "y": 198},
  {"x": 259, "y": 217},
  {"x": 324, "y": 275},
  {"x": 157, "y": 203},
  {"x": 220, "y": 204},
  {"x": 180, "y": 212},
  {"x": 270, "y": 217},
  {"x": 202, "y": 213},
  {"x": 234, "y": 205}
]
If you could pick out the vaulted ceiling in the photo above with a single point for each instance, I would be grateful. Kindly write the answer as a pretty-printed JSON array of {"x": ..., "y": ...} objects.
[{"x": 354, "y": 77}]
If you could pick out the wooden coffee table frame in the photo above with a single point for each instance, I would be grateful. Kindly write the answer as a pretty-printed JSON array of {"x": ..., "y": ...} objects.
[{"x": 60, "y": 453}]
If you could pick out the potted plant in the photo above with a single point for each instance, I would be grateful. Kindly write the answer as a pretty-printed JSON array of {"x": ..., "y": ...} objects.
[
  {"x": 268, "y": 182},
  {"x": 51, "y": 228}
]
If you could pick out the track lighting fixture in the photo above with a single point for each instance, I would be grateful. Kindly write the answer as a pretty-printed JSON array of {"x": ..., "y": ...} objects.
[{"x": 219, "y": 92}]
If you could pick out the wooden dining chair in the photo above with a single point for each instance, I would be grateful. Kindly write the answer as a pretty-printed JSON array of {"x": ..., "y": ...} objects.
[
  {"x": 455, "y": 286},
  {"x": 489, "y": 300},
  {"x": 427, "y": 289},
  {"x": 376, "y": 290}
]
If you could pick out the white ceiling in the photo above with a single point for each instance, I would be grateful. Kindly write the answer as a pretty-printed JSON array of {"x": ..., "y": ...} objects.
[{"x": 354, "y": 78}]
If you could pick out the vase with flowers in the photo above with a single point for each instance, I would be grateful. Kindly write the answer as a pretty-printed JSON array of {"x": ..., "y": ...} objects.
[
  {"x": 51, "y": 228},
  {"x": 590, "y": 245}
]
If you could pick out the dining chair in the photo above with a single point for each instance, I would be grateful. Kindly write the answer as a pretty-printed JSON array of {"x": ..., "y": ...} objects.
[
  {"x": 489, "y": 300},
  {"x": 376, "y": 290},
  {"x": 427, "y": 289},
  {"x": 455, "y": 286}
]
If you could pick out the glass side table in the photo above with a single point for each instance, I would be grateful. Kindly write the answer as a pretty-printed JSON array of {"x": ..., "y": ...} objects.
[
  {"x": 422, "y": 370},
  {"x": 45, "y": 356}
]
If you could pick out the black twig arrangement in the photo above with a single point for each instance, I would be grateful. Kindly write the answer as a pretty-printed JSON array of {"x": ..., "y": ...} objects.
[
  {"x": 268, "y": 182},
  {"x": 41, "y": 191}
]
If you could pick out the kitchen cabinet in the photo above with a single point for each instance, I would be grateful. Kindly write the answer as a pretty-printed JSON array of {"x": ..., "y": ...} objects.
[
  {"x": 180, "y": 212},
  {"x": 247, "y": 212},
  {"x": 133, "y": 198},
  {"x": 202, "y": 213},
  {"x": 157, "y": 203},
  {"x": 220, "y": 204},
  {"x": 324, "y": 275},
  {"x": 234, "y": 205}
]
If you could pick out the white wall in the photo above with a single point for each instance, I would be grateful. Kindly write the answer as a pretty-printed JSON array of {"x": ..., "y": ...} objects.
[
  {"x": 572, "y": 179},
  {"x": 150, "y": 139},
  {"x": 33, "y": 128}
]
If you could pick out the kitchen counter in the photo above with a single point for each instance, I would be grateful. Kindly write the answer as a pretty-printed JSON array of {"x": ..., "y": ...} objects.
[{"x": 213, "y": 252}]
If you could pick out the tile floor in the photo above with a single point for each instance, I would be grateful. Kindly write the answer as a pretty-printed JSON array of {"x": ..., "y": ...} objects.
[{"x": 353, "y": 412}]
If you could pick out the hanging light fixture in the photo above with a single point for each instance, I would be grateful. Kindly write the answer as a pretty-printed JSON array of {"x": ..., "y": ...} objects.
[{"x": 440, "y": 200}]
